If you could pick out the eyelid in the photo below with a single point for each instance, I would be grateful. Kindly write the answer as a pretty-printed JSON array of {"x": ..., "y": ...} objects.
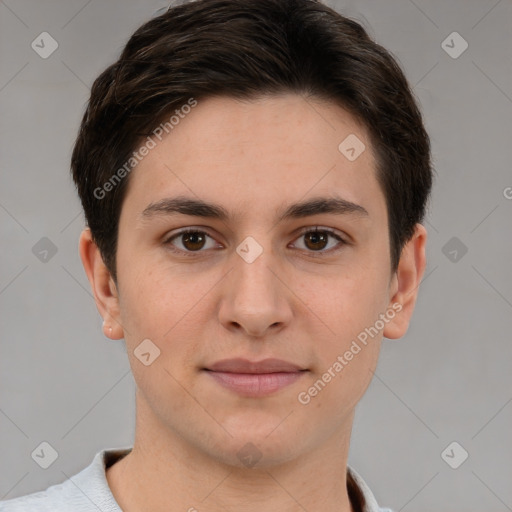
[{"x": 323, "y": 229}]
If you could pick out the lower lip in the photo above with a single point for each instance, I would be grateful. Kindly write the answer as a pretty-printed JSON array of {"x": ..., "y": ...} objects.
[{"x": 251, "y": 384}]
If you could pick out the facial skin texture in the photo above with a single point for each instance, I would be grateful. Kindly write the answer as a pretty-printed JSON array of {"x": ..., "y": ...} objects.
[{"x": 254, "y": 158}]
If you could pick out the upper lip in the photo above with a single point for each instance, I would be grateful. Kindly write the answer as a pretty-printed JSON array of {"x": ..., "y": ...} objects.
[{"x": 239, "y": 365}]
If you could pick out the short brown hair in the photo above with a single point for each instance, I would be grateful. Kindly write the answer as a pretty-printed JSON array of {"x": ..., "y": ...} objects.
[{"x": 245, "y": 49}]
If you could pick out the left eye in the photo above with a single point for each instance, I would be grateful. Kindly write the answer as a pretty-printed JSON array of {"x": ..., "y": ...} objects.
[
  {"x": 193, "y": 241},
  {"x": 317, "y": 239}
]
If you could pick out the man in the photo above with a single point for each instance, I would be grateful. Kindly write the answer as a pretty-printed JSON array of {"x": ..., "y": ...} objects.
[{"x": 254, "y": 176}]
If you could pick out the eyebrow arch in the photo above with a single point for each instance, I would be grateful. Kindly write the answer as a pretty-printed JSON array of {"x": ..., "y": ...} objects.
[
  {"x": 319, "y": 205},
  {"x": 199, "y": 208}
]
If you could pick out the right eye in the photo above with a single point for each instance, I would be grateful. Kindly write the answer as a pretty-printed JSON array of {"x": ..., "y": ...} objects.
[{"x": 191, "y": 240}]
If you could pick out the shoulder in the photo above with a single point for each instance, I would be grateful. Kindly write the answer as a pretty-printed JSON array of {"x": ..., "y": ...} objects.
[
  {"x": 56, "y": 498},
  {"x": 86, "y": 491}
]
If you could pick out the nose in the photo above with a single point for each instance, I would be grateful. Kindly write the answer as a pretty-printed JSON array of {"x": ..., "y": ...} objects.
[{"x": 255, "y": 298}]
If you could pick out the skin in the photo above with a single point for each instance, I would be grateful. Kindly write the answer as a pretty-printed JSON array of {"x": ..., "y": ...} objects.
[{"x": 254, "y": 158}]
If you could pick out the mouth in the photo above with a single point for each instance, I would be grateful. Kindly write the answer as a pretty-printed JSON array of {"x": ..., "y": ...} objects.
[{"x": 255, "y": 379}]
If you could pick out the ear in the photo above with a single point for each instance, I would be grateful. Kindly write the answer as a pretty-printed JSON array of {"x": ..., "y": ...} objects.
[
  {"x": 405, "y": 283},
  {"x": 102, "y": 285}
]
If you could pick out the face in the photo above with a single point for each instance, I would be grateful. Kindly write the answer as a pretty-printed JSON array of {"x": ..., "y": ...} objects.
[{"x": 258, "y": 282}]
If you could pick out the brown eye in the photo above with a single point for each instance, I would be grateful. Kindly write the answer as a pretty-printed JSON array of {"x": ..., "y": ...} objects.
[
  {"x": 190, "y": 241},
  {"x": 193, "y": 241},
  {"x": 316, "y": 240}
]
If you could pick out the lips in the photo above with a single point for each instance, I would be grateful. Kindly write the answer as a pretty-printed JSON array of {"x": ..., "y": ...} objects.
[
  {"x": 255, "y": 378},
  {"x": 245, "y": 366}
]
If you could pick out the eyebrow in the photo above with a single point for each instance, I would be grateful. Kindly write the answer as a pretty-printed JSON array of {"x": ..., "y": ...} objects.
[{"x": 199, "y": 208}]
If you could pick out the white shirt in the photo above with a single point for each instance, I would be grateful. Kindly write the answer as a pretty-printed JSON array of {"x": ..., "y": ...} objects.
[{"x": 88, "y": 491}]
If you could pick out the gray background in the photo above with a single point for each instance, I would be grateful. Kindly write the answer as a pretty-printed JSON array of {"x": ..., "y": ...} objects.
[{"x": 447, "y": 380}]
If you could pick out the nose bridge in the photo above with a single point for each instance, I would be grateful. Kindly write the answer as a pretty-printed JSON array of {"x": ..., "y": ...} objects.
[
  {"x": 254, "y": 298},
  {"x": 255, "y": 284},
  {"x": 252, "y": 268}
]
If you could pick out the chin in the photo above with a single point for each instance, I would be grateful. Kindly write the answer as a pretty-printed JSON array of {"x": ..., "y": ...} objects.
[{"x": 254, "y": 449}]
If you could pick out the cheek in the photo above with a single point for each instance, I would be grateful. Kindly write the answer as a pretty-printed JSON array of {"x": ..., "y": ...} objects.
[
  {"x": 153, "y": 296},
  {"x": 346, "y": 302},
  {"x": 349, "y": 309},
  {"x": 169, "y": 309},
  {"x": 338, "y": 388},
  {"x": 348, "y": 354}
]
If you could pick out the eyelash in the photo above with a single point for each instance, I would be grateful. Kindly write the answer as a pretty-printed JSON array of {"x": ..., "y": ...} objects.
[{"x": 318, "y": 229}]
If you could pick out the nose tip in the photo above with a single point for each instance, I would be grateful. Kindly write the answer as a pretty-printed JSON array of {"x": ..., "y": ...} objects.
[
  {"x": 255, "y": 332},
  {"x": 253, "y": 299}
]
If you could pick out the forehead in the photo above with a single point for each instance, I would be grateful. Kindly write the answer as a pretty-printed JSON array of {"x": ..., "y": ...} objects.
[{"x": 257, "y": 155}]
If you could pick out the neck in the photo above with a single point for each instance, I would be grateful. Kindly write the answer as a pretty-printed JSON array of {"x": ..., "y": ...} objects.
[{"x": 165, "y": 473}]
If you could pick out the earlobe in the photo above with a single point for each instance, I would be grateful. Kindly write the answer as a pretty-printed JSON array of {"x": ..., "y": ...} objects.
[
  {"x": 405, "y": 283},
  {"x": 102, "y": 285}
]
